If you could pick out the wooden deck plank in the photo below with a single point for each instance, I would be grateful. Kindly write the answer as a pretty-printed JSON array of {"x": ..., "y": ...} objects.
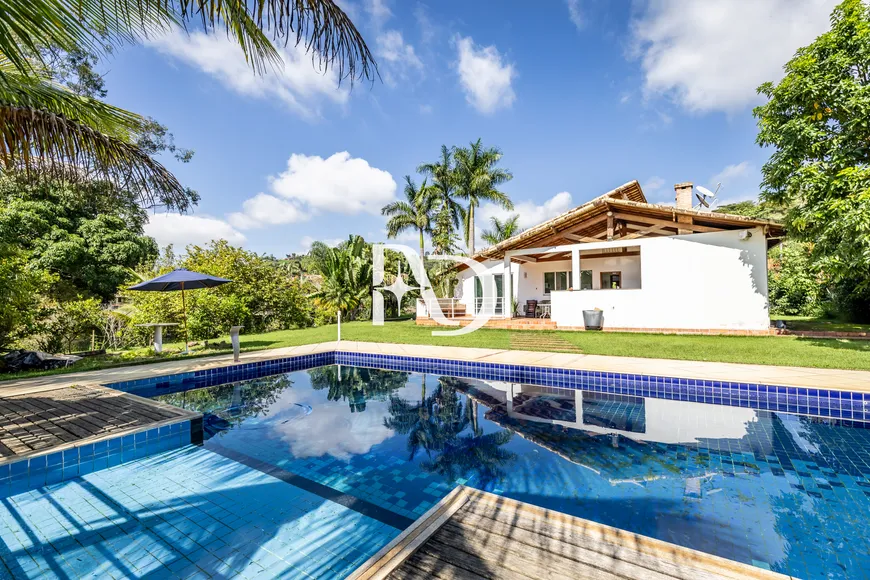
[
  {"x": 570, "y": 541},
  {"x": 474, "y": 534},
  {"x": 37, "y": 422}
]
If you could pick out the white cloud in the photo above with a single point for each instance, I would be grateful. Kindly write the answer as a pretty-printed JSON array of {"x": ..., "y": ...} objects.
[
  {"x": 181, "y": 230},
  {"x": 531, "y": 214},
  {"x": 710, "y": 56},
  {"x": 378, "y": 11},
  {"x": 485, "y": 76},
  {"x": 264, "y": 209},
  {"x": 575, "y": 14},
  {"x": 311, "y": 184},
  {"x": 398, "y": 58},
  {"x": 425, "y": 23},
  {"x": 732, "y": 172},
  {"x": 332, "y": 429},
  {"x": 392, "y": 48},
  {"x": 652, "y": 185},
  {"x": 340, "y": 183},
  {"x": 307, "y": 241},
  {"x": 298, "y": 84}
]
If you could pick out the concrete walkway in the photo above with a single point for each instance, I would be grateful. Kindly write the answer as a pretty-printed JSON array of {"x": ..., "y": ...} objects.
[{"x": 771, "y": 375}]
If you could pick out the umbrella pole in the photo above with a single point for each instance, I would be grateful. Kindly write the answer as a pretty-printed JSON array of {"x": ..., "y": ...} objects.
[{"x": 184, "y": 310}]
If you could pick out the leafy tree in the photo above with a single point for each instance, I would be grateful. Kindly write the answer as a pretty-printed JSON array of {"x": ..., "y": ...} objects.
[
  {"x": 356, "y": 385},
  {"x": 415, "y": 213},
  {"x": 261, "y": 296},
  {"x": 795, "y": 281},
  {"x": 20, "y": 288},
  {"x": 477, "y": 179},
  {"x": 67, "y": 326},
  {"x": 759, "y": 210},
  {"x": 347, "y": 276},
  {"x": 88, "y": 234},
  {"x": 816, "y": 120},
  {"x": 502, "y": 230},
  {"x": 233, "y": 403},
  {"x": 49, "y": 128}
]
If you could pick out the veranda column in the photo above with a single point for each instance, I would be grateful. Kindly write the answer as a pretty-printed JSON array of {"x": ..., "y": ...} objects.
[
  {"x": 508, "y": 286},
  {"x": 575, "y": 268}
]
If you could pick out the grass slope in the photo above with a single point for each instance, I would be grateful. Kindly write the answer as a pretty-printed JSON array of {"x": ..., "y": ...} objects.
[{"x": 767, "y": 350}]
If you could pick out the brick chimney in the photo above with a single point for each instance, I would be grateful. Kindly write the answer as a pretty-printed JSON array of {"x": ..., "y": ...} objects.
[{"x": 684, "y": 195}]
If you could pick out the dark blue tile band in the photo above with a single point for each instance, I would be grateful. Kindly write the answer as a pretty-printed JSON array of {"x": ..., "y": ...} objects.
[{"x": 845, "y": 406}]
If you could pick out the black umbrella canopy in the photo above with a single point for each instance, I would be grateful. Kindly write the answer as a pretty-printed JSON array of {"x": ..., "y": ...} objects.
[{"x": 180, "y": 279}]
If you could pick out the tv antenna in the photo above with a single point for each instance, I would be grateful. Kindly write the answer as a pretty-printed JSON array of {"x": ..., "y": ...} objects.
[{"x": 707, "y": 199}]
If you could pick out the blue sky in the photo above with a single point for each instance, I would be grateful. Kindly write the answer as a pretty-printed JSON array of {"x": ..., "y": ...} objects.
[{"x": 580, "y": 95}]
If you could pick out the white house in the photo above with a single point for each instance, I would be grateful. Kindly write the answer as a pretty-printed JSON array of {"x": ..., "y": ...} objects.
[{"x": 645, "y": 266}]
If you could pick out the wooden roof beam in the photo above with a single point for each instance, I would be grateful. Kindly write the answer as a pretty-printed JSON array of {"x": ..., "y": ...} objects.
[
  {"x": 644, "y": 232},
  {"x": 665, "y": 223},
  {"x": 583, "y": 225},
  {"x": 576, "y": 238},
  {"x": 525, "y": 258}
]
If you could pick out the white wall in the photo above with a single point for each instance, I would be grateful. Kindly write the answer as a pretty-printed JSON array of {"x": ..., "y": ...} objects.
[
  {"x": 528, "y": 277},
  {"x": 465, "y": 288},
  {"x": 696, "y": 281}
]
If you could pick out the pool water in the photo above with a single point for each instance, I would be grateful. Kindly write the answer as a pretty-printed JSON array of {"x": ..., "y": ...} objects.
[{"x": 777, "y": 490}]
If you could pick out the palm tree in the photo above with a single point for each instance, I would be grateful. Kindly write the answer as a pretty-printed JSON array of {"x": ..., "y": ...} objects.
[
  {"x": 50, "y": 130},
  {"x": 449, "y": 213},
  {"x": 502, "y": 230},
  {"x": 414, "y": 213},
  {"x": 477, "y": 179},
  {"x": 347, "y": 275}
]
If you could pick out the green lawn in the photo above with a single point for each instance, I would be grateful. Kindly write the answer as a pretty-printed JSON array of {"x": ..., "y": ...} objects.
[
  {"x": 769, "y": 350},
  {"x": 821, "y": 324}
]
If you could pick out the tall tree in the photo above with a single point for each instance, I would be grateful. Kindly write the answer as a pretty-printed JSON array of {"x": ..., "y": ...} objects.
[
  {"x": 502, "y": 230},
  {"x": 47, "y": 128},
  {"x": 347, "y": 275},
  {"x": 816, "y": 122},
  {"x": 87, "y": 235},
  {"x": 478, "y": 179},
  {"x": 449, "y": 213},
  {"x": 415, "y": 213}
]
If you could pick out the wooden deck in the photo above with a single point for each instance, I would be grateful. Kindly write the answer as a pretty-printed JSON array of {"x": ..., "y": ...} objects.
[
  {"x": 50, "y": 420},
  {"x": 475, "y": 535}
]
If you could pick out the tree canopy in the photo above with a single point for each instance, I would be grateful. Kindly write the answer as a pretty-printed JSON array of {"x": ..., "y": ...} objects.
[
  {"x": 88, "y": 235},
  {"x": 817, "y": 120}
]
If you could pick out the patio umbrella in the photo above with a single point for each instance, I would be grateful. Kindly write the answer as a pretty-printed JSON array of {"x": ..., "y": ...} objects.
[{"x": 180, "y": 279}]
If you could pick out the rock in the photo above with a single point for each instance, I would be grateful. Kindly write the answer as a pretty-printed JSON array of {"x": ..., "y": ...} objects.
[{"x": 33, "y": 360}]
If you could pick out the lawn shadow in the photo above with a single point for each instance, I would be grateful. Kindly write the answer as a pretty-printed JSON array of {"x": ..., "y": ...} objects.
[{"x": 855, "y": 345}]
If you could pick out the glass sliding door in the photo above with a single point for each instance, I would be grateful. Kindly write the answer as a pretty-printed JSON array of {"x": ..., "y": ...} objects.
[{"x": 495, "y": 287}]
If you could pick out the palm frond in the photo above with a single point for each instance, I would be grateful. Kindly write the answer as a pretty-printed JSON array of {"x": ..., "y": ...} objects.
[
  {"x": 39, "y": 141},
  {"x": 321, "y": 26},
  {"x": 28, "y": 26},
  {"x": 51, "y": 132}
]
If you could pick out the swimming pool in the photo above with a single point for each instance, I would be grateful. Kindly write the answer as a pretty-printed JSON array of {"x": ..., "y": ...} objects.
[{"x": 781, "y": 490}]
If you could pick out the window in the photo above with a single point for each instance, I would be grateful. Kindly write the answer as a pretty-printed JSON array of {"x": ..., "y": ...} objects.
[
  {"x": 611, "y": 280},
  {"x": 565, "y": 280}
]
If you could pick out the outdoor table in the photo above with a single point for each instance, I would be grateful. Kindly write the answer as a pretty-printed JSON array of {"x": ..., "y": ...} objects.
[{"x": 158, "y": 333}]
